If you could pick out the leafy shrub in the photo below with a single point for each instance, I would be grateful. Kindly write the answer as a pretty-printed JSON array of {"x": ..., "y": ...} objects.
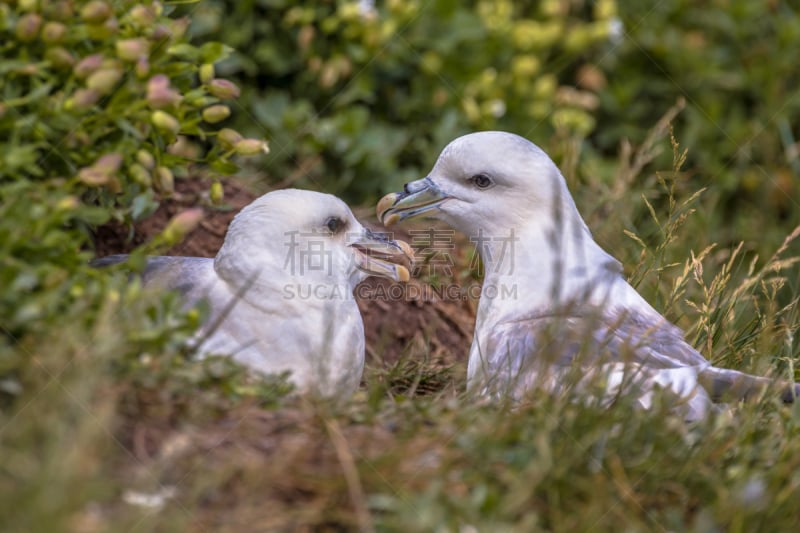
[
  {"x": 101, "y": 107},
  {"x": 358, "y": 97}
]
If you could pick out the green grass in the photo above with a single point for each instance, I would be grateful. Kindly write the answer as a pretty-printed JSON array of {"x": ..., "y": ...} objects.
[
  {"x": 448, "y": 462},
  {"x": 115, "y": 409}
]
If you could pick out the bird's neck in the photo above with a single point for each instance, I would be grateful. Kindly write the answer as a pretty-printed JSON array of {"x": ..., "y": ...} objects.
[{"x": 542, "y": 265}]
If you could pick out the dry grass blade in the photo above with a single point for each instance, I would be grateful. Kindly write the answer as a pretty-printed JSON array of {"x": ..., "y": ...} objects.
[{"x": 350, "y": 472}]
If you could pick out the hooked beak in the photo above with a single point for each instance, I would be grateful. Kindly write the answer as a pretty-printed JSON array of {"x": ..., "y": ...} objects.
[
  {"x": 372, "y": 252},
  {"x": 418, "y": 198}
]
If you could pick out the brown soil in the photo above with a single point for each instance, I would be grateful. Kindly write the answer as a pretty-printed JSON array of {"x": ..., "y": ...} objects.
[{"x": 421, "y": 323}]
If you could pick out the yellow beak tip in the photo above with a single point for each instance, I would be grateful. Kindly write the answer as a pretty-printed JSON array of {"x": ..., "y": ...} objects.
[
  {"x": 403, "y": 274},
  {"x": 385, "y": 203}
]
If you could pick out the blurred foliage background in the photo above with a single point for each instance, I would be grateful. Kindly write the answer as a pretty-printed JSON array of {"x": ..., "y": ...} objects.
[
  {"x": 103, "y": 104},
  {"x": 359, "y": 97}
]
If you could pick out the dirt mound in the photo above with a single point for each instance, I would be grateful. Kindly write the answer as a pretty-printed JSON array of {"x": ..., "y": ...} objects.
[
  {"x": 416, "y": 318},
  {"x": 116, "y": 238}
]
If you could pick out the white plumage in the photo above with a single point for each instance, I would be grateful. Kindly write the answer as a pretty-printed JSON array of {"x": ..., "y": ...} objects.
[{"x": 280, "y": 289}]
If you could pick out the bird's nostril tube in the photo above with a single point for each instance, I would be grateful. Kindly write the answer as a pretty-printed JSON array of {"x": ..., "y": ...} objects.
[{"x": 406, "y": 188}]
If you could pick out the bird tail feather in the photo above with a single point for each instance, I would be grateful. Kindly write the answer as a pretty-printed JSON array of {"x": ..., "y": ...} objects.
[{"x": 723, "y": 383}]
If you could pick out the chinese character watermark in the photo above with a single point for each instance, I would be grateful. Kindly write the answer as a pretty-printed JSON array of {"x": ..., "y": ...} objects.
[
  {"x": 495, "y": 250},
  {"x": 310, "y": 256},
  {"x": 309, "y": 252},
  {"x": 434, "y": 246}
]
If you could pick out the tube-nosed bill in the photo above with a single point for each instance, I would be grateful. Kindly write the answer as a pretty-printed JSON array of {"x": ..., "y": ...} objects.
[
  {"x": 418, "y": 198},
  {"x": 373, "y": 254}
]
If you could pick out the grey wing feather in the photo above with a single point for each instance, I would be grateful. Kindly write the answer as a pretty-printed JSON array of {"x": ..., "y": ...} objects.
[
  {"x": 521, "y": 349},
  {"x": 520, "y": 353},
  {"x": 595, "y": 339},
  {"x": 170, "y": 272},
  {"x": 652, "y": 342}
]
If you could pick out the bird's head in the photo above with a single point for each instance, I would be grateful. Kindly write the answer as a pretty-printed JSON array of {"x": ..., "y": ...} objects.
[
  {"x": 309, "y": 236},
  {"x": 484, "y": 179},
  {"x": 509, "y": 197}
]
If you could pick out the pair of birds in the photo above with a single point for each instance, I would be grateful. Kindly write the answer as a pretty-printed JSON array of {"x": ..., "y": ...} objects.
[{"x": 554, "y": 304}]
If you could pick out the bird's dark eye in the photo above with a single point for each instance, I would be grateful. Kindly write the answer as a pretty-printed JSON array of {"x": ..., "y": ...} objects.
[
  {"x": 334, "y": 224},
  {"x": 482, "y": 181}
]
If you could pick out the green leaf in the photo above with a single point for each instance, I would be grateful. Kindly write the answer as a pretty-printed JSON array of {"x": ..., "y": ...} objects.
[
  {"x": 184, "y": 51},
  {"x": 214, "y": 52},
  {"x": 143, "y": 205},
  {"x": 223, "y": 167},
  {"x": 20, "y": 157},
  {"x": 95, "y": 216}
]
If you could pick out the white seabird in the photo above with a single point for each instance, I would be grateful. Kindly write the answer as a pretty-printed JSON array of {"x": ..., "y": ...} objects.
[
  {"x": 553, "y": 303},
  {"x": 280, "y": 290}
]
